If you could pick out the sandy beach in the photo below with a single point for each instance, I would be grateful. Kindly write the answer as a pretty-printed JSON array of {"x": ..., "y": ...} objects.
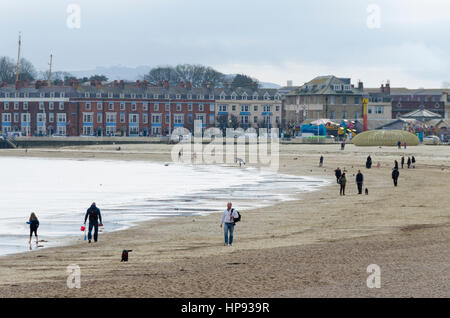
[{"x": 318, "y": 245}]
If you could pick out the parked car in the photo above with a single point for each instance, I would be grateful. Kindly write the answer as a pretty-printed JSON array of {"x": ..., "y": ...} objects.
[{"x": 431, "y": 140}]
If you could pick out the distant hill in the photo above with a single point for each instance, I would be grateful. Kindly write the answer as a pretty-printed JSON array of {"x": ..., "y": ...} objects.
[{"x": 126, "y": 73}]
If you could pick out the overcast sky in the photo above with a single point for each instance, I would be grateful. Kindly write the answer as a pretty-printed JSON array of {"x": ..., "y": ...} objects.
[{"x": 273, "y": 41}]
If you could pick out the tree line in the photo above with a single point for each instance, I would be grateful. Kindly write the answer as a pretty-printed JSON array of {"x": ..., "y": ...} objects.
[{"x": 197, "y": 75}]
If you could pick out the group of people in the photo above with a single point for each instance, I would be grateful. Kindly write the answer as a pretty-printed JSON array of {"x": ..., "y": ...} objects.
[
  {"x": 341, "y": 179},
  {"x": 229, "y": 218}
]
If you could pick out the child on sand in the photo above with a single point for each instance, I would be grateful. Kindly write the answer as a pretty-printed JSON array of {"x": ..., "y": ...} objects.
[{"x": 34, "y": 224}]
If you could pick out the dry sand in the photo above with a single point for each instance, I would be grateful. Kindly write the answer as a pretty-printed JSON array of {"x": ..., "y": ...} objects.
[{"x": 318, "y": 245}]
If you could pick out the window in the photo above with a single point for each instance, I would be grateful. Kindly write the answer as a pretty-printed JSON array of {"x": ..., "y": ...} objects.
[
  {"x": 189, "y": 107},
  {"x": 25, "y": 105},
  {"x": 189, "y": 96},
  {"x": 110, "y": 117},
  {"x": 133, "y": 118},
  {"x": 60, "y": 117},
  {"x": 88, "y": 105},
  {"x": 145, "y": 106},
  {"x": 133, "y": 106},
  {"x": 267, "y": 108},
  {"x": 87, "y": 117},
  {"x": 344, "y": 115},
  {"x": 255, "y": 96},
  {"x": 222, "y": 96},
  {"x": 111, "y": 106},
  {"x": 41, "y": 105},
  {"x": 167, "y": 118},
  {"x": 277, "y": 108},
  {"x": 122, "y": 118},
  {"x": 200, "y": 107},
  {"x": 61, "y": 106},
  {"x": 156, "y": 118},
  {"x": 255, "y": 119},
  {"x": 255, "y": 108},
  {"x": 356, "y": 100},
  {"x": 178, "y": 107},
  {"x": 16, "y": 117},
  {"x": 167, "y": 96},
  {"x": 156, "y": 107},
  {"x": 51, "y": 117},
  {"x": 6, "y": 117},
  {"x": 356, "y": 115},
  {"x": 16, "y": 105},
  {"x": 6, "y": 106},
  {"x": 233, "y": 96},
  {"x": 233, "y": 108},
  {"x": 26, "y": 117},
  {"x": 244, "y": 119},
  {"x": 99, "y": 106},
  {"x": 167, "y": 107},
  {"x": 122, "y": 106},
  {"x": 344, "y": 99},
  {"x": 331, "y": 114},
  {"x": 211, "y": 107},
  {"x": 145, "y": 118},
  {"x": 245, "y": 108},
  {"x": 178, "y": 96},
  {"x": 155, "y": 96},
  {"x": 178, "y": 119},
  {"x": 223, "y": 108},
  {"x": 99, "y": 118}
]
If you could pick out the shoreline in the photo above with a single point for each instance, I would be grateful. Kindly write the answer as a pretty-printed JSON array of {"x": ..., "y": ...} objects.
[{"x": 166, "y": 253}]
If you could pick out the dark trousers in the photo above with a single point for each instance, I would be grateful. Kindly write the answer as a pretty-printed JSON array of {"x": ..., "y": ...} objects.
[
  {"x": 395, "y": 181},
  {"x": 342, "y": 190},
  {"x": 95, "y": 226},
  {"x": 360, "y": 185}
]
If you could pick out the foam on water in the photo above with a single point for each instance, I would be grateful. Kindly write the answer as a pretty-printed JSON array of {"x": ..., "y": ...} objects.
[{"x": 60, "y": 190}]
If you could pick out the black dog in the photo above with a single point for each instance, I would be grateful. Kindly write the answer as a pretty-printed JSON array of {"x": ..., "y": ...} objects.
[
  {"x": 125, "y": 255},
  {"x": 367, "y": 191}
]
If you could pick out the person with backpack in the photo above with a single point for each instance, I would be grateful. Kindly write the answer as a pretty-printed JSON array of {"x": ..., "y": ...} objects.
[
  {"x": 359, "y": 181},
  {"x": 94, "y": 216},
  {"x": 229, "y": 218},
  {"x": 34, "y": 224}
]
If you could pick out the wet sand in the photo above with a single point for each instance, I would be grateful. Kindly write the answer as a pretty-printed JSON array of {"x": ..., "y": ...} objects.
[{"x": 318, "y": 245}]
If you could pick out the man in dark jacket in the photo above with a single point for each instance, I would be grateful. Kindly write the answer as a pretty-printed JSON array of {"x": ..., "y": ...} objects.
[
  {"x": 338, "y": 174},
  {"x": 94, "y": 216},
  {"x": 359, "y": 181},
  {"x": 395, "y": 174},
  {"x": 403, "y": 161},
  {"x": 369, "y": 162}
]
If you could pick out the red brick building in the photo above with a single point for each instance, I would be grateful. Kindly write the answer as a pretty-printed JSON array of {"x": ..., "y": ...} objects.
[{"x": 119, "y": 108}]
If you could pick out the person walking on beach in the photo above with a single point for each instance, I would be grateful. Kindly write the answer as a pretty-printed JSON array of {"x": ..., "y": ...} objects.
[
  {"x": 227, "y": 221},
  {"x": 399, "y": 144},
  {"x": 403, "y": 161},
  {"x": 94, "y": 216},
  {"x": 321, "y": 161},
  {"x": 369, "y": 162},
  {"x": 404, "y": 144},
  {"x": 395, "y": 164},
  {"x": 338, "y": 174},
  {"x": 395, "y": 174},
  {"x": 359, "y": 181},
  {"x": 342, "y": 182},
  {"x": 342, "y": 145},
  {"x": 408, "y": 162},
  {"x": 34, "y": 224},
  {"x": 413, "y": 161}
]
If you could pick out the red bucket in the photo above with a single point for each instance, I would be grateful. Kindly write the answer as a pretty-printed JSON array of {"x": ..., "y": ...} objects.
[{"x": 82, "y": 228}]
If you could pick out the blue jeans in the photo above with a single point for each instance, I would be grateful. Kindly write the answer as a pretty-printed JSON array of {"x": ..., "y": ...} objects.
[
  {"x": 228, "y": 227},
  {"x": 95, "y": 226}
]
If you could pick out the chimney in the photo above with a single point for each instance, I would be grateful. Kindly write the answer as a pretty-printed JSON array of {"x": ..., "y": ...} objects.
[
  {"x": 360, "y": 86},
  {"x": 166, "y": 84},
  {"x": 182, "y": 84},
  {"x": 382, "y": 88},
  {"x": 188, "y": 85},
  {"x": 138, "y": 83},
  {"x": 37, "y": 84},
  {"x": 3, "y": 84},
  {"x": 18, "y": 84},
  {"x": 122, "y": 84},
  {"x": 388, "y": 88}
]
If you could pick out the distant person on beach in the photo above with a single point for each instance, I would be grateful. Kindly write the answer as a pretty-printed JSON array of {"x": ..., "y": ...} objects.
[
  {"x": 395, "y": 174},
  {"x": 404, "y": 144},
  {"x": 408, "y": 162},
  {"x": 399, "y": 144},
  {"x": 321, "y": 161},
  {"x": 227, "y": 221},
  {"x": 338, "y": 174},
  {"x": 395, "y": 164},
  {"x": 94, "y": 216},
  {"x": 403, "y": 161},
  {"x": 369, "y": 162},
  {"x": 342, "y": 182},
  {"x": 413, "y": 161},
  {"x": 34, "y": 224},
  {"x": 342, "y": 145},
  {"x": 359, "y": 181}
]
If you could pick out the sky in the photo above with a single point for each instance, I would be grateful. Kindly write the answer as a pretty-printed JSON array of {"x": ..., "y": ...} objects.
[{"x": 403, "y": 41}]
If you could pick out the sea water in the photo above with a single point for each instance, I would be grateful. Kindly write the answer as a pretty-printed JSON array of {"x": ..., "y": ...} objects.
[{"x": 59, "y": 191}]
